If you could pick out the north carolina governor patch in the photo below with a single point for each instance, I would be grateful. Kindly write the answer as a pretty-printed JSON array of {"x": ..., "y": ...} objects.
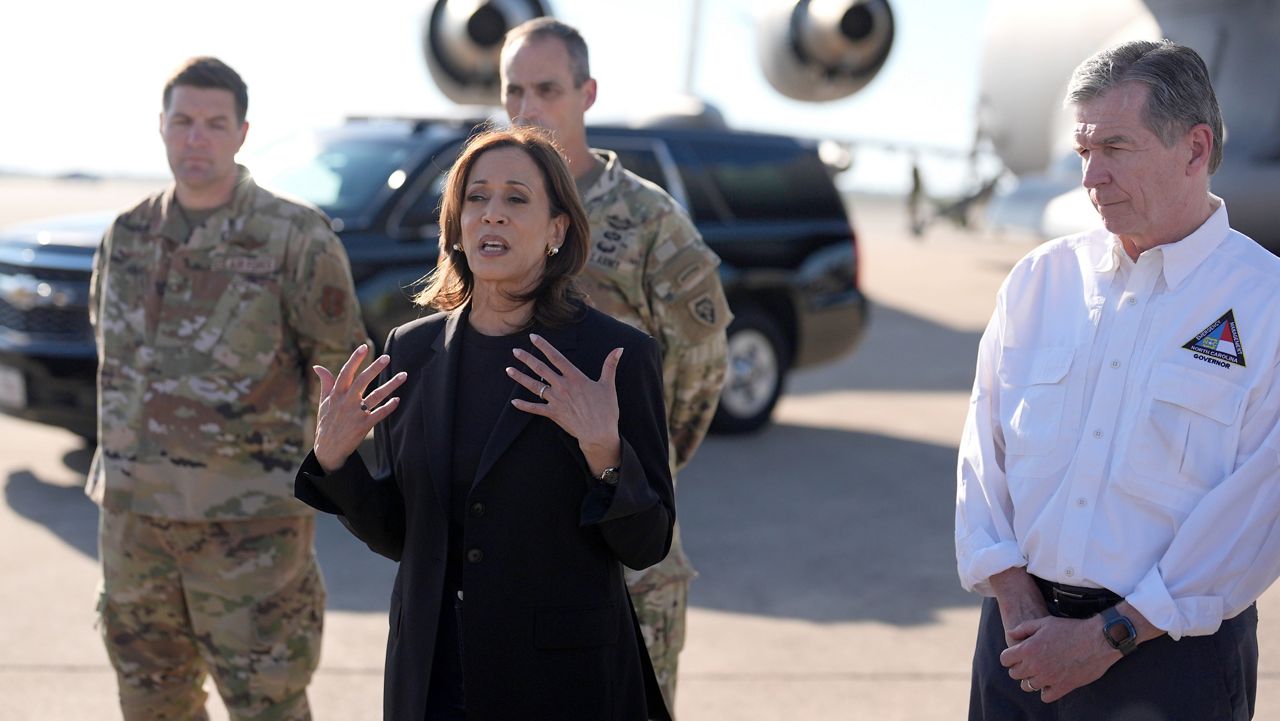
[
  {"x": 333, "y": 302},
  {"x": 704, "y": 309},
  {"x": 1221, "y": 340}
]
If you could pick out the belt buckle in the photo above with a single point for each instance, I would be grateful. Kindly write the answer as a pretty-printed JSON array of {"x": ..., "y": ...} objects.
[{"x": 1058, "y": 592}]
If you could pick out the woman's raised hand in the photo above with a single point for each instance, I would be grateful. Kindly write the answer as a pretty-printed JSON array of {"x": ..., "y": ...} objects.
[
  {"x": 346, "y": 414},
  {"x": 585, "y": 409}
]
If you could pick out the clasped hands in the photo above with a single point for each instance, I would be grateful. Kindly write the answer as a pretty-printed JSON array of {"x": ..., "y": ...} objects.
[
  {"x": 1047, "y": 655},
  {"x": 1056, "y": 656}
]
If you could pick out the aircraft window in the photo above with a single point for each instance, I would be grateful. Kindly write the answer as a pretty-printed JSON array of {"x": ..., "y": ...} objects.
[{"x": 759, "y": 181}]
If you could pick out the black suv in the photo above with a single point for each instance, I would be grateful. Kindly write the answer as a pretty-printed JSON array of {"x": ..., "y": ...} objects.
[{"x": 765, "y": 203}]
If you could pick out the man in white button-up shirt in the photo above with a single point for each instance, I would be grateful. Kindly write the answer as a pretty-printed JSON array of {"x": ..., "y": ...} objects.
[{"x": 1119, "y": 476}]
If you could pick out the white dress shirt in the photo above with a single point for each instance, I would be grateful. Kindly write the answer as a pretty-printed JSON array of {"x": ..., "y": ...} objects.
[{"x": 1119, "y": 436}]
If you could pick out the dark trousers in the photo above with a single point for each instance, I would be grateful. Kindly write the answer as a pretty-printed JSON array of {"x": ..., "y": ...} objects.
[{"x": 1199, "y": 678}]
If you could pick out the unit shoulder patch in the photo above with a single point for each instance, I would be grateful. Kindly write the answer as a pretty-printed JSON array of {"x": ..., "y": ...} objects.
[{"x": 704, "y": 309}]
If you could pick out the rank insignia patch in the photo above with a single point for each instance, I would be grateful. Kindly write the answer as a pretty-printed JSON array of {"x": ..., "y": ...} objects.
[{"x": 1221, "y": 340}]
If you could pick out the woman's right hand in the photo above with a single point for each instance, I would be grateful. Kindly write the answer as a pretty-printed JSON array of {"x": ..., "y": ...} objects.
[{"x": 346, "y": 414}]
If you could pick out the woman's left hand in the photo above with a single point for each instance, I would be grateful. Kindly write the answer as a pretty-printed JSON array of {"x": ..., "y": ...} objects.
[{"x": 585, "y": 409}]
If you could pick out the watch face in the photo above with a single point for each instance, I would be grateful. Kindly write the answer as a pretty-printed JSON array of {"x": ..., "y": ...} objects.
[
  {"x": 609, "y": 477},
  {"x": 1118, "y": 632}
]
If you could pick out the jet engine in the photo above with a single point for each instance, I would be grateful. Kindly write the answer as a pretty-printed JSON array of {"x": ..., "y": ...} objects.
[
  {"x": 821, "y": 50},
  {"x": 462, "y": 41}
]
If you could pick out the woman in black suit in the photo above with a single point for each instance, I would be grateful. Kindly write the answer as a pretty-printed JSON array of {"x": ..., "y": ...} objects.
[{"x": 512, "y": 486}]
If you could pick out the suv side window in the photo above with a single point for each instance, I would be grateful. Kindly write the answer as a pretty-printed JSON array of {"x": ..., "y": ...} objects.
[
  {"x": 647, "y": 157},
  {"x": 643, "y": 162},
  {"x": 417, "y": 215},
  {"x": 759, "y": 181}
]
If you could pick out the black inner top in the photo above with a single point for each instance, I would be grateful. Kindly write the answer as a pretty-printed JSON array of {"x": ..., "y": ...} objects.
[{"x": 484, "y": 390}]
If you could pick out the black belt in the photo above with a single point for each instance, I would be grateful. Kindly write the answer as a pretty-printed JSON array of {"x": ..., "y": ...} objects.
[{"x": 1075, "y": 601}]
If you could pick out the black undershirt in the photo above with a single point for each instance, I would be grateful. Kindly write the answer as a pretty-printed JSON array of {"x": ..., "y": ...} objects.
[{"x": 483, "y": 391}]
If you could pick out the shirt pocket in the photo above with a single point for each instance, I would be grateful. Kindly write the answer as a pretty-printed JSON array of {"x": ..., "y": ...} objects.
[
  {"x": 1033, "y": 395},
  {"x": 250, "y": 319},
  {"x": 1184, "y": 442}
]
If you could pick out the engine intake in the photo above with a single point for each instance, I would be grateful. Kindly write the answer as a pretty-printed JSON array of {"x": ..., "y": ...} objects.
[
  {"x": 462, "y": 41},
  {"x": 821, "y": 50}
]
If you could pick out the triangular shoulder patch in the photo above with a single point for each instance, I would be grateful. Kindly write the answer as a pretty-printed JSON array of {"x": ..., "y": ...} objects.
[{"x": 1220, "y": 340}]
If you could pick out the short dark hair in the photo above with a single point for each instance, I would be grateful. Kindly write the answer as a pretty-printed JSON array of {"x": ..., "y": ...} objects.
[
  {"x": 547, "y": 27},
  {"x": 209, "y": 72},
  {"x": 556, "y": 299},
  {"x": 1180, "y": 95}
]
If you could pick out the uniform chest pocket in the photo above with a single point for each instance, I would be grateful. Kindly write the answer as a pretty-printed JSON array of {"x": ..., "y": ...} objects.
[
  {"x": 131, "y": 275},
  {"x": 1033, "y": 396},
  {"x": 1185, "y": 438},
  {"x": 249, "y": 318}
]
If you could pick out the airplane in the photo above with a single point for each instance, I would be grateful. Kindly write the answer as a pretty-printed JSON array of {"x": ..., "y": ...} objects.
[
  {"x": 810, "y": 50},
  {"x": 1030, "y": 50},
  {"x": 824, "y": 50}
]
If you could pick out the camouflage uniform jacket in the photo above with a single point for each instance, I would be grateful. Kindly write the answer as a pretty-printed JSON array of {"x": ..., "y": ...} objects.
[
  {"x": 648, "y": 267},
  {"x": 205, "y": 348}
]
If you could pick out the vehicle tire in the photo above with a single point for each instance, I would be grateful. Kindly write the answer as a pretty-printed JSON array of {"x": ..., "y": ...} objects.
[{"x": 758, "y": 360}]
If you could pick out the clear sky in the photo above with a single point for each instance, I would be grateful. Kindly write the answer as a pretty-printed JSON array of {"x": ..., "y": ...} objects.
[{"x": 81, "y": 79}]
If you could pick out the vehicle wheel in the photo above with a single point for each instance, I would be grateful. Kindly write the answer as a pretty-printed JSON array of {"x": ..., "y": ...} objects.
[{"x": 758, "y": 361}]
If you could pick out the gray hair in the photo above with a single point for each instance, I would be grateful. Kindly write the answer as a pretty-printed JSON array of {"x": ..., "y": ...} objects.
[
  {"x": 546, "y": 27},
  {"x": 1179, "y": 97}
]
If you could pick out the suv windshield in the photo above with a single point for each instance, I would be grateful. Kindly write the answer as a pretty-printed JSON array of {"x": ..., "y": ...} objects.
[{"x": 340, "y": 174}]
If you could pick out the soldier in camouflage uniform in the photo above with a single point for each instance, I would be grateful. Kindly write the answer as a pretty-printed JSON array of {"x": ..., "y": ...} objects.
[
  {"x": 210, "y": 302},
  {"x": 649, "y": 268}
]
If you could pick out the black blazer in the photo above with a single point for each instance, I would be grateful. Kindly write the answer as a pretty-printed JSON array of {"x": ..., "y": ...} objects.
[{"x": 547, "y": 626}]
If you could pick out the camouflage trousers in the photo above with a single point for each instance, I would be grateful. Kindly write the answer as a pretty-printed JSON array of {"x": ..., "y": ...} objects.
[
  {"x": 661, "y": 611},
  {"x": 241, "y": 600}
]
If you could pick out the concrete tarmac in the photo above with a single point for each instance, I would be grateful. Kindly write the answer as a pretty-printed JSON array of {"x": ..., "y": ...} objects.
[{"x": 827, "y": 589}]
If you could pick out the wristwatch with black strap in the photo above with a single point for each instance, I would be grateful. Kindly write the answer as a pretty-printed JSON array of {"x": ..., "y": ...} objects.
[{"x": 1119, "y": 631}]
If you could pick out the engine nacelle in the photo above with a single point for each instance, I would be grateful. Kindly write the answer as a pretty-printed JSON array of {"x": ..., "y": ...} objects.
[
  {"x": 820, "y": 50},
  {"x": 462, "y": 41}
]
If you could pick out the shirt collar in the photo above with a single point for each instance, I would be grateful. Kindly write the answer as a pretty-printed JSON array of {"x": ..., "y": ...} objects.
[
  {"x": 1112, "y": 257},
  {"x": 1180, "y": 258},
  {"x": 1183, "y": 257},
  {"x": 605, "y": 181},
  {"x": 589, "y": 179}
]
